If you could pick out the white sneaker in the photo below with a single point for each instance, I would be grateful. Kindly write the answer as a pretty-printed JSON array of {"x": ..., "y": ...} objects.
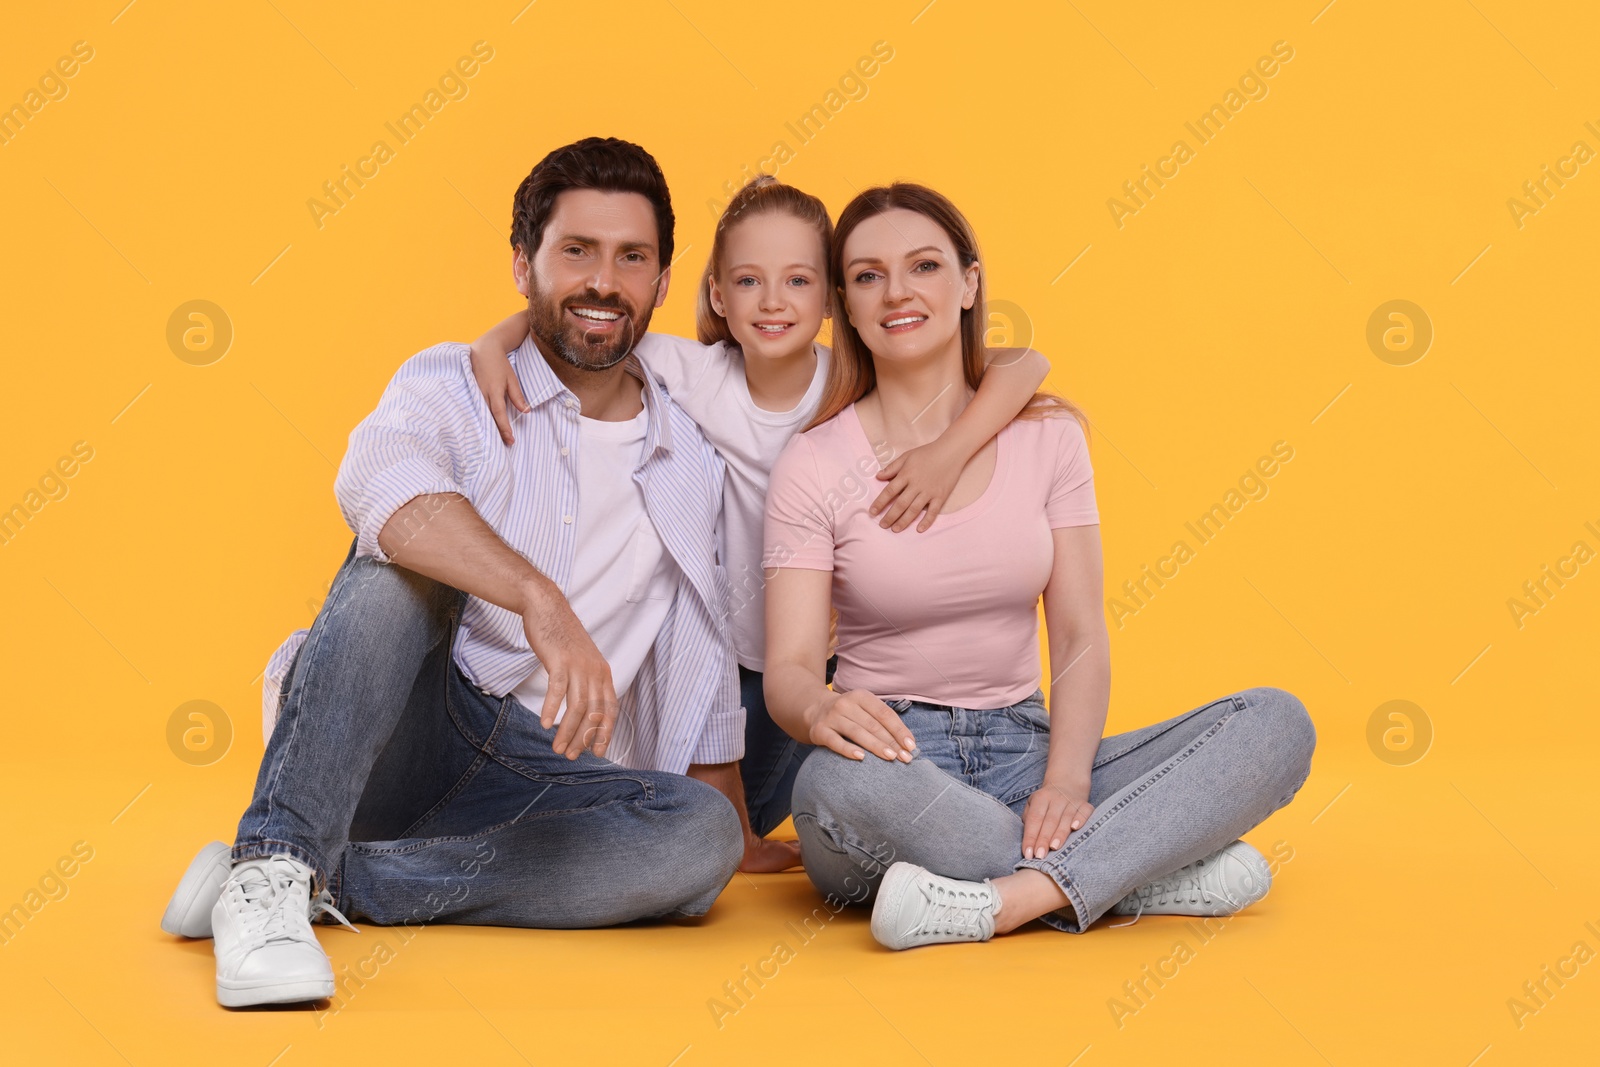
[
  {"x": 1229, "y": 880},
  {"x": 917, "y": 907},
  {"x": 266, "y": 952},
  {"x": 189, "y": 911}
]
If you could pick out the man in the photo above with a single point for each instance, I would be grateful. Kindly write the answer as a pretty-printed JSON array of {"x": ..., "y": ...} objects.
[{"x": 451, "y": 745}]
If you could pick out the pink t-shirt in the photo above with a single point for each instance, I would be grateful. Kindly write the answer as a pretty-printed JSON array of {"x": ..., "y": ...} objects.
[{"x": 949, "y": 616}]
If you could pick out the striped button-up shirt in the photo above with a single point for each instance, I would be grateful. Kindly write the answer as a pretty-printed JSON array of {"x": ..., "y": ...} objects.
[{"x": 432, "y": 433}]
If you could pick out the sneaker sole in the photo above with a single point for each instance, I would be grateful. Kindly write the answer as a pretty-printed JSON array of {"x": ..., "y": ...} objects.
[
  {"x": 886, "y": 912},
  {"x": 248, "y": 995},
  {"x": 1259, "y": 872},
  {"x": 188, "y": 913}
]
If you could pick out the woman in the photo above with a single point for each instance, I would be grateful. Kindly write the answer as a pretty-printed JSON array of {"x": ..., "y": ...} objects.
[{"x": 940, "y": 758}]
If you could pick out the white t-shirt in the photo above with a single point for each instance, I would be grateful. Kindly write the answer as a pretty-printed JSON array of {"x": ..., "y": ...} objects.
[
  {"x": 622, "y": 579},
  {"x": 708, "y": 382}
]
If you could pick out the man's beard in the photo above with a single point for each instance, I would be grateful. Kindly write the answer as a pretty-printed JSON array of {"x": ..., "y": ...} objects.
[{"x": 558, "y": 334}]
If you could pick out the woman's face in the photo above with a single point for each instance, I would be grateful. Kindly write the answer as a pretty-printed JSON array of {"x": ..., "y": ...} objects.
[{"x": 904, "y": 289}]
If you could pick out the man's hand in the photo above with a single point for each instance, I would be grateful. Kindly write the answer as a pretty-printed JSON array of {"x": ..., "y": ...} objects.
[
  {"x": 849, "y": 723},
  {"x": 1054, "y": 811},
  {"x": 576, "y": 671}
]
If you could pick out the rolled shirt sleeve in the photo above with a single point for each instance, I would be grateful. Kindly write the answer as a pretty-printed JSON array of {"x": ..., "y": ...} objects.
[
  {"x": 722, "y": 738},
  {"x": 422, "y": 439}
]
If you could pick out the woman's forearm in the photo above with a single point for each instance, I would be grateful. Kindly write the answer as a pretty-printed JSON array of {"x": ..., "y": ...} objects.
[
  {"x": 1080, "y": 693},
  {"x": 793, "y": 692}
]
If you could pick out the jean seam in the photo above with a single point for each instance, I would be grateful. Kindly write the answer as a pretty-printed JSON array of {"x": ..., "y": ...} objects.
[
  {"x": 413, "y": 846},
  {"x": 467, "y": 776},
  {"x": 502, "y": 720},
  {"x": 301, "y": 684},
  {"x": 336, "y": 877},
  {"x": 775, "y": 771},
  {"x": 1034, "y": 735},
  {"x": 849, "y": 845},
  {"x": 1050, "y": 864},
  {"x": 1238, "y": 705},
  {"x": 454, "y": 791}
]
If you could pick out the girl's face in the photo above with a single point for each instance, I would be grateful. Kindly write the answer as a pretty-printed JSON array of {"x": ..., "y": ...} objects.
[
  {"x": 772, "y": 287},
  {"x": 904, "y": 288}
]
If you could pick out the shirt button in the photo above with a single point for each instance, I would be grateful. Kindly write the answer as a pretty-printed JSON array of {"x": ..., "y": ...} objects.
[
  {"x": 571, "y": 403},
  {"x": 566, "y": 518},
  {"x": 565, "y": 450}
]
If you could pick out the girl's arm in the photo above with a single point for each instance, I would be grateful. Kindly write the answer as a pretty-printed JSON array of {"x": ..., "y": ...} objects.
[
  {"x": 1079, "y": 689},
  {"x": 923, "y": 478},
  {"x": 494, "y": 372}
]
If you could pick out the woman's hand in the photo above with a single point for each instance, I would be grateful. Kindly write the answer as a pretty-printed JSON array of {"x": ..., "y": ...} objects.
[
  {"x": 849, "y": 723},
  {"x": 497, "y": 380},
  {"x": 919, "y": 479},
  {"x": 1054, "y": 811}
]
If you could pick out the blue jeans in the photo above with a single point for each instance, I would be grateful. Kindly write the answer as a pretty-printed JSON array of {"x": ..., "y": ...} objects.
[
  {"x": 1165, "y": 795},
  {"x": 414, "y": 796},
  {"x": 772, "y": 758}
]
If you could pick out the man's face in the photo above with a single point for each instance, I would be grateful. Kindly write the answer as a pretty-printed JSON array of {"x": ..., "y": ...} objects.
[{"x": 595, "y": 279}]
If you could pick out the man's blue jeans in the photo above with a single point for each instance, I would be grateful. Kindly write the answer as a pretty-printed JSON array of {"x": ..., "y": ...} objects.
[
  {"x": 1165, "y": 795},
  {"x": 417, "y": 797}
]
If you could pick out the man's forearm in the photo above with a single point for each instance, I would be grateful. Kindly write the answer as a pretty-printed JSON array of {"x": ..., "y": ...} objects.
[
  {"x": 443, "y": 537},
  {"x": 725, "y": 779}
]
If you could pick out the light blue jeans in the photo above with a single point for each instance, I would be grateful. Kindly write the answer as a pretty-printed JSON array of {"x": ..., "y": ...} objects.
[
  {"x": 1164, "y": 796},
  {"x": 417, "y": 797}
]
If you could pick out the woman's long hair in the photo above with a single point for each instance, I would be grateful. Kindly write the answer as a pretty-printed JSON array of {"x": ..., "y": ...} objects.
[
  {"x": 851, "y": 374},
  {"x": 762, "y": 195}
]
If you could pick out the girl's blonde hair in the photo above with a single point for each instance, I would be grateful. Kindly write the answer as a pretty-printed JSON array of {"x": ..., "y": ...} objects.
[
  {"x": 851, "y": 375},
  {"x": 763, "y": 195}
]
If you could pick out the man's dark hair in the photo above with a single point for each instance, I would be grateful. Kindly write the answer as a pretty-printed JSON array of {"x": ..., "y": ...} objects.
[{"x": 605, "y": 163}]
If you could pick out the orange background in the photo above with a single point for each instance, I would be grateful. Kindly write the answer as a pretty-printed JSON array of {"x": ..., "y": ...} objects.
[{"x": 1229, "y": 312}]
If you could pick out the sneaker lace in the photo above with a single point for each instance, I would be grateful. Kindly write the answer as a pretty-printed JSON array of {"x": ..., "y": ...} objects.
[
  {"x": 956, "y": 911},
  {"x": 1185, "y": 881},
  {"x": 274, "y": 897},
  {"x": 1183, "y": 884}
]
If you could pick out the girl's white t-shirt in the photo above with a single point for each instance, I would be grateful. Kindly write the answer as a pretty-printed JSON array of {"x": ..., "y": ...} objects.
[{"x": 708, "y": 382}]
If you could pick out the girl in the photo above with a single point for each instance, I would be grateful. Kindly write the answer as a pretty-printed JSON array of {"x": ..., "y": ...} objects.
[
  {"x": 939, "y": 756},
  {"x": 751, "y": 381}
]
